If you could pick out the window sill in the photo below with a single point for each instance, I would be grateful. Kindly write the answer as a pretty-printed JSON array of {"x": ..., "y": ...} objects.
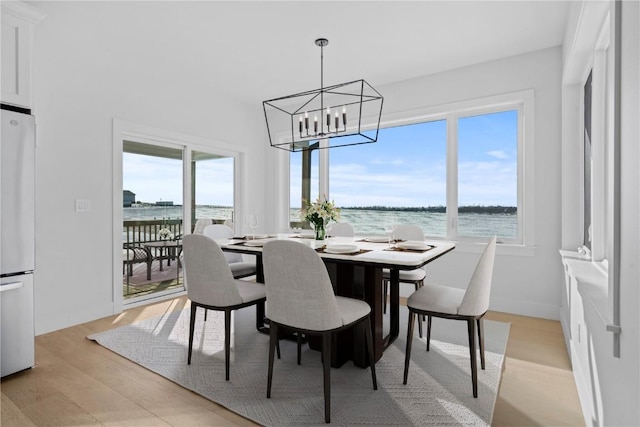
[{"x": 510, "y": 249}]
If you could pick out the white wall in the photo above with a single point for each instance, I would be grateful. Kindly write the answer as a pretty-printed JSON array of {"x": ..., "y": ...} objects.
[
  {"x": 91, "y": 67},
  {"x": 609, "y": 386},
  {"x": 525, "y": 282}
]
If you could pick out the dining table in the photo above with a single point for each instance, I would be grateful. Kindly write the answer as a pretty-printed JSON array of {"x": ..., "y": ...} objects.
[{"x": 355, "y": 266}]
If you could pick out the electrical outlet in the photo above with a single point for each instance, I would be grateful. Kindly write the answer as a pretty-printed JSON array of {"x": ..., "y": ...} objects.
[{"x": 83, "y": 205}]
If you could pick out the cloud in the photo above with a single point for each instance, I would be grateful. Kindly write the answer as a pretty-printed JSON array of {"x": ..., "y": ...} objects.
[{"x": 498, "y": 154}]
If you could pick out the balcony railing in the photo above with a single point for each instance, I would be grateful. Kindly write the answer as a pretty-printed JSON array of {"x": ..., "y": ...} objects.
[{"x": 143, "y": 231}]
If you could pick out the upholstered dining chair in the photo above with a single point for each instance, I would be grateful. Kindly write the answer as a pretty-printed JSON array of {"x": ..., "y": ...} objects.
[
  {"x": 469, "y": 305},
  {"x": 342, "y": 229},
  {"x": 301, "y": 299},
  {"x": 200, "y": 224},
  {"x": 415, "y": 277},
  {"x": 212, "y": 286},
  {"x": 239, "y": 267}
]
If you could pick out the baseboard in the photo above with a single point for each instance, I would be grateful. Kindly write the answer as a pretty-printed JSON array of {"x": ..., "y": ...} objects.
[
  {"x": 525, "y": 308},
  {"x": 68, "y": 317}
]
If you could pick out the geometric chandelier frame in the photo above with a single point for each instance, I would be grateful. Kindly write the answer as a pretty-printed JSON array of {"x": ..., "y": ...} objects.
[{"x": 343, "y": 114}]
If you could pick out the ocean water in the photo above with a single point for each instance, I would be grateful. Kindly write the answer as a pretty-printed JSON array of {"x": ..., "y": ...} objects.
[{"x": 364, "y": 221}]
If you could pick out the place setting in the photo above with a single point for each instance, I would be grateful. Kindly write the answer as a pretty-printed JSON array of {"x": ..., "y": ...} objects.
[
  {"x": 341, "y": 249},
  {"x": 410, "y": 246}
]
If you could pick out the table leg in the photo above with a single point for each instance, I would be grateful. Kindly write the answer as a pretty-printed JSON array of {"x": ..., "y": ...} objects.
[
  {"x": 260, "y": 311},
  {"x": 394, "y": 305},
  {"x": 373, "y": 296}
]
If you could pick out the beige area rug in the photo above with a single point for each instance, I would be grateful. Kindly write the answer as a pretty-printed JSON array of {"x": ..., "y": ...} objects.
[{"x": 438, "y": 391}]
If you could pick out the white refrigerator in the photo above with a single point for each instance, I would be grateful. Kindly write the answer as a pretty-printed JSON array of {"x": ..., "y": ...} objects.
[{"x": 17, "y": 234}]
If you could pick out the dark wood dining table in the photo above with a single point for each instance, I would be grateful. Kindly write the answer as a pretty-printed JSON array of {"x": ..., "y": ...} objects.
[{"x": 357, "y": 275}]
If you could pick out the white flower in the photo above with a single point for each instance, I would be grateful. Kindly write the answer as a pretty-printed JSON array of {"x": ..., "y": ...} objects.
[
  {"x": 165, "y": 233},
  {"x": 322, "y": 211}
]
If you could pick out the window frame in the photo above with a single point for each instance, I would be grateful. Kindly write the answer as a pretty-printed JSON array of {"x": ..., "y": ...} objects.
[{"x": 524, "y": 103}]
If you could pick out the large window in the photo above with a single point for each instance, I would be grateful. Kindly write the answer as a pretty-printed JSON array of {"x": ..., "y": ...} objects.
[
  {"x": 457, "y": 173},
  {"x": 402, "y": 177}
]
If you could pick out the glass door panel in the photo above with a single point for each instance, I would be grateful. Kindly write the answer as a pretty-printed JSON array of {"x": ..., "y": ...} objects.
[
  {"x": 212, "y": 188},
  {"x": 152, "y": 220}
]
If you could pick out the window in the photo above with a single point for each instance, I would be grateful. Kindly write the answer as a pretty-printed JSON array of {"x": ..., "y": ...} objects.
[
  {"x": 488, "y": 175},
  {"x": 457, "y": 173},
  {"x": 304, "y": 183}
]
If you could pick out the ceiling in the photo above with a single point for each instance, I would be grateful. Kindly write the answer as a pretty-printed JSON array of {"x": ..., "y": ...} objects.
[
  {"x": 265, "y": 49},
  {"x": 270, "y": 51}
]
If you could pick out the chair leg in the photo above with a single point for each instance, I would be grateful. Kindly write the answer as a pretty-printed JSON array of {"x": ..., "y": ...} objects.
[
  {"x": 480, "y": 324},
  {"x": 192, "y": 324},
  {"x": 471, "y": 326},
  {"x": 407, "y": 353},
  {"x": 420, "y": 316},
  {"x": 227, "y": 342},
  {"x": 428, "y": 331},
  {"x": 273, "y": 340},
  {"x": 205, "y": 314},
  {"x": 299, "y": 335},
  {"x": 385, "y": 289},
  {"x": 372, "y": 361},
  {"x": 326, "y": 365},
  {"x": 278, "y": 348}
]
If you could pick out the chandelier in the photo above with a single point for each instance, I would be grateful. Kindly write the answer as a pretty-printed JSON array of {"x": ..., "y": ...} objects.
[{"x": 343, "y": 114}]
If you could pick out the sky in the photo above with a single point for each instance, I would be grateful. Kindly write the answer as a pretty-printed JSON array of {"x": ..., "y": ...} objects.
[
  {"x": 155, "y": 179},
  {"x": 405, "y": 168}
]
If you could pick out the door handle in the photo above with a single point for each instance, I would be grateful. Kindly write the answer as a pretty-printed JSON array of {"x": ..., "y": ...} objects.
[{"x": 11, "y": 286}]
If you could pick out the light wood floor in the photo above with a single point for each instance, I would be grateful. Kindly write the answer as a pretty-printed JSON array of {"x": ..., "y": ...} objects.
[{"x": 76, "y": 382}]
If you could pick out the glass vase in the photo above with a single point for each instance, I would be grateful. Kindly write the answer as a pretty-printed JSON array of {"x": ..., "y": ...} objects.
[{"x": 320, "y": 231}]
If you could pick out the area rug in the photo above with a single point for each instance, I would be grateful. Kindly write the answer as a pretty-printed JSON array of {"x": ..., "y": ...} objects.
[{"x": 438, "y": 391}]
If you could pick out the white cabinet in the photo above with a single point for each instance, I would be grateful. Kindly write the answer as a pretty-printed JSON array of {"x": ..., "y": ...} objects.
[{"x": 17, "y": 26}]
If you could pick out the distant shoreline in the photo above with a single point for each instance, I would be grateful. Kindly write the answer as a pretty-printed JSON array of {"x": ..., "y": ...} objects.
[
  {"x": 440, "y": 209},
  {"x": 496, "y": 209}
]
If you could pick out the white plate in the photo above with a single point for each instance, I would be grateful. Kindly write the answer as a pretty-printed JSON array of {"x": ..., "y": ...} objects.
[
  {"x": 341, "y": 249},
  {"x": 376, "y": 239},
  {"x": 413, "y": 244},
  {"x": 256, "y": 243},
  {"x": 257, "y": 236}
]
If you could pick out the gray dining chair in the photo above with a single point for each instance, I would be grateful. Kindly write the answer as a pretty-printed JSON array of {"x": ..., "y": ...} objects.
[
  {"x": 342, "y": 229},
  {"x": 414, "y": 277},
  {"x": 239, "y": 267},
  {"x": 301, "y": 299},
  {"x": 212, "y": 286},
  {"x": 468, "y": 305},
  {"x": 200, "y": 224}
]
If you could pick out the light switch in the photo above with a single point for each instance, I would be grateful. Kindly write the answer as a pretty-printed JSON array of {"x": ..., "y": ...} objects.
[{"x": 83, "y": 205}]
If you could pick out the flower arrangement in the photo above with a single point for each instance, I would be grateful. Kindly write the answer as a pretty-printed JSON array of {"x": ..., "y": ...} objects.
[
  {"x": 319, "y": 213},
  {"x": 165, "y": 233}
]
